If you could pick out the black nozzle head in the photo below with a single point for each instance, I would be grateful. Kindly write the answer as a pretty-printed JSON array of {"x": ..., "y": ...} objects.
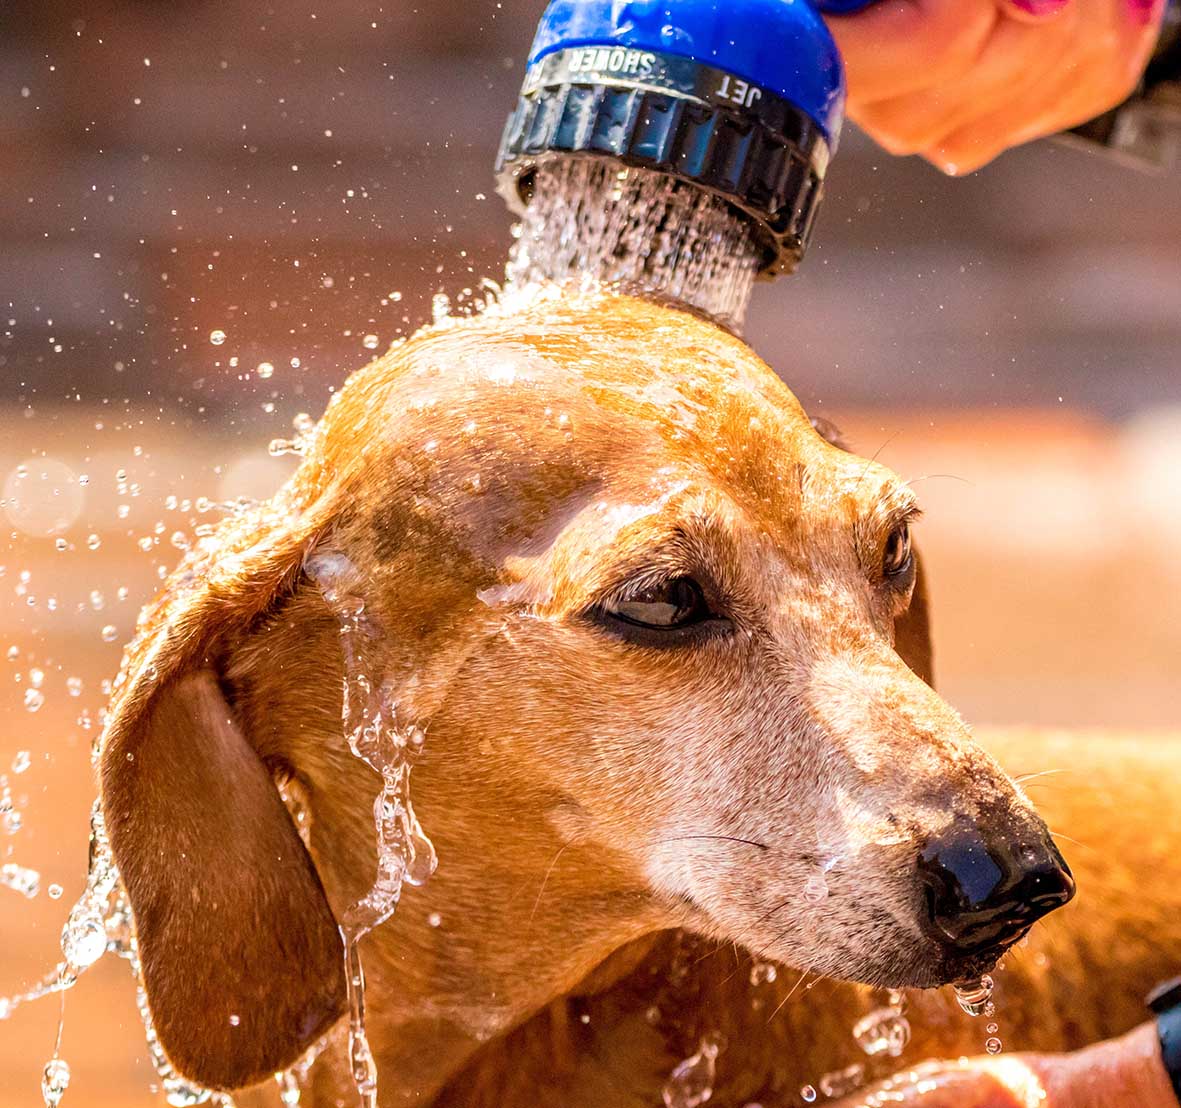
[{"x": 761, "y": 154}]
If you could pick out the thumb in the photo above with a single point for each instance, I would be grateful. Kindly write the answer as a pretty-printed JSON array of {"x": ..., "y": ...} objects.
[{"x": 940, "y": 1085}]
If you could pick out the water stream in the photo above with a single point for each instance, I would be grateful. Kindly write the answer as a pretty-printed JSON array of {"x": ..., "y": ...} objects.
[
  {"x": 389, "y": 747},
  {"x": 594, "y": 223}
]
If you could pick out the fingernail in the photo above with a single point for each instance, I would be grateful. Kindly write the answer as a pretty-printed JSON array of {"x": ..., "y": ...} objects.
[
  {"x": 1041, "y": 8},
  {"x": 1144, "y": 11}
]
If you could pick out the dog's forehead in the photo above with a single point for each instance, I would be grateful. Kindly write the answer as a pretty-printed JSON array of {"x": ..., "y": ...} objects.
[{"x": 502, "y": 424}]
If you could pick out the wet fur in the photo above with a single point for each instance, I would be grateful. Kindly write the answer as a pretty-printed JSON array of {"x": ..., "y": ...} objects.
[{"x": 590, "y": 929}]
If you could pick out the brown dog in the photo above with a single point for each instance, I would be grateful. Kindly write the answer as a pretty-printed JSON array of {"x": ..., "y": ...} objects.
[{"x": 666, "y": 643}]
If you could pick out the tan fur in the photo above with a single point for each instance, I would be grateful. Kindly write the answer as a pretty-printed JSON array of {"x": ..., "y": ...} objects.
[{"x": 491, "y": 480}]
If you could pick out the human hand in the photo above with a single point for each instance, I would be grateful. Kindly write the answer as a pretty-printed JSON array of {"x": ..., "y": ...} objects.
[
  {"x": 1122, "y": 1073},
  {"x": 960, "y": 81}
]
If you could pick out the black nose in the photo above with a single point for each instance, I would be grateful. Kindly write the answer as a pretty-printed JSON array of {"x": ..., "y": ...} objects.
[{"x": 987, "y": 891}]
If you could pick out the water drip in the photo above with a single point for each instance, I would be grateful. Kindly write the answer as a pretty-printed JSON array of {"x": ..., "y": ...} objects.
[
  {"x": 844, "y": 1081},
  {"x": 592, "y": 221},
  {"x": 691, "y": 1083},
  {"x": 975, "y": 997},
  {"x": 55, "y": 1079},
  {"x": 885, "y": 1030},
  {"x": 20, "y": 879},
  {"x": 371, "y": 727}
]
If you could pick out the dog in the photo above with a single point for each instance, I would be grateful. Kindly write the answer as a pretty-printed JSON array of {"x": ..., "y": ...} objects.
[{"x": 668, "y": 647}]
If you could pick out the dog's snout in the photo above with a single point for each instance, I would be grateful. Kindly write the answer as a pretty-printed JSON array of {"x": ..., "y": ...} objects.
[{"x": 984, "y": 890}]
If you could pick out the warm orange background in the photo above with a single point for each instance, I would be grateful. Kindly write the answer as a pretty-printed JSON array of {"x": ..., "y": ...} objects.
[{"x": 1010, "y": 341}]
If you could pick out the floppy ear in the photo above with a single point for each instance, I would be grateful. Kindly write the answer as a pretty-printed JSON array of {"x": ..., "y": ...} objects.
[
  {"x": 241, "y": 954},
  {"x": 912, "y": 629}
]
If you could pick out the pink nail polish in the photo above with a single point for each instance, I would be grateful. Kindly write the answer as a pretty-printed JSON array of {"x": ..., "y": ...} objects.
[
  {"x": 1144, "y": 11},
  {"x": 1040, "y": 8}
]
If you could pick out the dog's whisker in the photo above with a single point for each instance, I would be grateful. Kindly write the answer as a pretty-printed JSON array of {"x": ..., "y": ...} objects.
[
  {"x": 941, "y": 476},
  {"x": 778, "y": 907},
  {"x": 1022, "y": 778},
  {"x": 723, "y": 838},
  {"x": 545, "y": 879},
  {"x": 1077, "y": 842},
  {"x": 709, "y": 953},
  {"x": 790, "y": 993}
]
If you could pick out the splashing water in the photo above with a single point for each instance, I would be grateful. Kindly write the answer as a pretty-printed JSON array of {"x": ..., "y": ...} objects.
[
  {"x": 975, "y": 997},
  {"x": 54, "y": 1081},
  {"x": 305, "y": 428},
  {"x": 691, "y": 1083},
  {"x": 763, "y": 973},
  {"x": 592, "y": 222},
  {"x": 404, "y": 853},
  {"x": 885, "y": 1030},
  {"x": 100, "y": 923},
  {"x": 20, "y": 879},
  {"x": 842, "y": 1082}
]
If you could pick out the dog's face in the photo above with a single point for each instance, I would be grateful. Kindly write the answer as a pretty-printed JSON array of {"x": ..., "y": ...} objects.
[{"x": 651, "y": 621}]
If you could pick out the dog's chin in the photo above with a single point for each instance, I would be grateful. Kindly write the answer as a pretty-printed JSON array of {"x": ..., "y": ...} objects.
[
  {"x": 918, "y": 967},
  {"x": 897, "y": 961}
]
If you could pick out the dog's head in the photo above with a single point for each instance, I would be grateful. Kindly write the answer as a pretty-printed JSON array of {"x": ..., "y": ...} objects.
[{"x": 668, "y": 644}]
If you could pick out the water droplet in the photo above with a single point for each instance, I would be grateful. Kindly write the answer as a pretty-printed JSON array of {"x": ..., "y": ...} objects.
[
  {"x": 74, "y": 686},
  {"x": 370, "y": 342},
  {"x": 266, "y": 371},
  {"x": 55, "y": 891},
  {"x": 991, "y": 1028},
  {"x": 435, "y": 920},
  {"x": 84, "y": 938},
  {"x": 691, "y": 1083},
  {"x": 882, "y": 1031},
  {"x": 21, "y": 761},
  {"x": 816, "y": 888},
  {"x": 20, "y": 879},
  {"x": 843, "y": 1082},
  {"x": 110, "y": 633},
  {"x": 217, "y": 337},
  {"x": 93, "y": 542},
  {"x": 288, "y": 1088},
  {"x": 763, "y": 973},
  {"x": 55, "y": 1079},
  {"x": 993, "y": 1045},
  {"x": 60, "y": 545},
  {"x": 182, "y": 1094},
  {"x": 34, "y": 698},
  {"x": 808, "y": 1094},
  {"x": 440, "y": 307},
  {"x": 974, "y": 996}
]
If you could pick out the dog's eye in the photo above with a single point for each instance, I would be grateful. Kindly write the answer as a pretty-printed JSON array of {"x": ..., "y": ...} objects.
[
  {"x": 664, "y": 607},
  {"x": 897, "y": 556}
]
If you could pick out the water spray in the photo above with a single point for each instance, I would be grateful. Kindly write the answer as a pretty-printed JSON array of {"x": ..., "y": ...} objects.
[{"x": 676, "y": 146}]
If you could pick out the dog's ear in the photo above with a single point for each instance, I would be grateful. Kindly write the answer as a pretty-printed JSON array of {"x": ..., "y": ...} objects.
[
  {"x": 912, "y": 629},
  {"x": 241, "y": 954}
]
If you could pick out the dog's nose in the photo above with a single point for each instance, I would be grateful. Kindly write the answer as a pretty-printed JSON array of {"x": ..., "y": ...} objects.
[{"x": 985, "y": 892}]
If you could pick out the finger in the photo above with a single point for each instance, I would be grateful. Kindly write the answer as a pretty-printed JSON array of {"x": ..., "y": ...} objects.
[
  {"x": 1078, "y": 92},
  {"x": 1014, "y": 59},
  {"x": 897, "y": 47},
  {"x": 948, "y": 1087}
]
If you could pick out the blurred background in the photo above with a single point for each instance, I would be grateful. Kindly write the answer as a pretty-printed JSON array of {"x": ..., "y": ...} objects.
[{"x": 211, "y": 212}]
